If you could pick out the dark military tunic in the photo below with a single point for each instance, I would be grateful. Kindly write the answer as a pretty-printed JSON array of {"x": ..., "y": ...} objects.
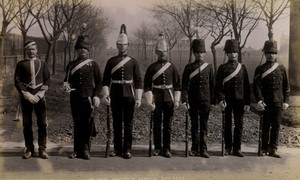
[
  {"x": 273, "y": 90},
  {"x": 122, "y": 83},
  {"x": 236, "y": 93},
  {"x": 162, "y": 88},
  {"x": 33, "y": 76},
  {"x": 198, "y": 92},
  {"x": 86, "y": 82}
]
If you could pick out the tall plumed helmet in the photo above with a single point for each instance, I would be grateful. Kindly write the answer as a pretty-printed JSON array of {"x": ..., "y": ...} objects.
[
  {"x": 29, "y": 43},
  {"x": 231, "y": 46},
  {"x": 82, "y": 42},
  {"x": 198, "y": 46},
  {"x": 270, "y": 47},
  {"x": 123, "y": 38},
  {"x": 161, "y": 44}
]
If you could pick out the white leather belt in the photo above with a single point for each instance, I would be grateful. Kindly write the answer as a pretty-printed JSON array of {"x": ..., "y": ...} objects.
[
  {"x": 122, "y": 81},
  {"x": 163, "y": 86}
]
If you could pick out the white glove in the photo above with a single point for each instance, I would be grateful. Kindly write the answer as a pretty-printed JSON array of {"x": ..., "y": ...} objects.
[
  {"x": 186, "y": 106},
  {"x": 176, "y": 104},
  {"x": 40, "y": 94},
  {"x": 106, "y": 100},
  {"x": 67, "y": 87},
  {"x": 96, "y": 101},
  {"x": 138, "y": 103},
  {"x": 246, "y": 108},
  {"x": 261, "y": 105},
  {"x": 152, "y": 106},
  {"x": 222, "y": 105},
  {"x": 285, "y": 106},
  {"x": 31, "y": 98}
]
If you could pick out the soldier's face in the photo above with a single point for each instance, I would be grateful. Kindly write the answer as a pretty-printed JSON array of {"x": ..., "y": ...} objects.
[
  {"x": 161, "y": 54},
  {"x": 31, "y": 51},
  {"x": 233, "y": 56},
  {"x": 122, "y": 48},
  {"x": 82, "y": 53},
  {"x": 199, "y": 56},
  {"x": 271, "y": 57}
]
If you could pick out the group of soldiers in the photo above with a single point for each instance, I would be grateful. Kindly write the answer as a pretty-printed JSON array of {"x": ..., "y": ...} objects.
[{"x": 122, "y": 88}]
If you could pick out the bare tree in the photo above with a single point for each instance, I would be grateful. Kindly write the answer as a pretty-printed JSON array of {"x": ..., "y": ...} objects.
[
  {"x": 59, "y": 14},
  {"x": 24, "y": 21},
  {"x": 272, "y": 10},
  {"x": 144, "y": 34},
  {"x": 218, "y": 26},
  {"x": 9, "y": 12},
  {"x": 244, "y": 18},
  {"x": 185, "y": 12}
]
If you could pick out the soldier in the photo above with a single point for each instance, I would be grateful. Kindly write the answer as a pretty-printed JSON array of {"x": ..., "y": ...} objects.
[
  {"x": 271, "y": 89},
  {"x": 83, "y": 81},
  {"x": 161, "y": 79},
  {"x": 233, "y": 93},
  {"x": 32, "y": 79},
  {"x": 197, "y": 93},
  {"x": 122, "y": 87}
]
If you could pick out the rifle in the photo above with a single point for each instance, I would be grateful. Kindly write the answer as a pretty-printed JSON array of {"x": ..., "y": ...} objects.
[
  {"x": 93, "y": 132},
  {"x": 259, "y": 133},
  {"x": 17, "y": 117},
  {"x": 186, "y": 133},
  {"x": 108, "y": 133},
  {"x": 223, "y": 133},
  {"x": 150, "y": 134}
]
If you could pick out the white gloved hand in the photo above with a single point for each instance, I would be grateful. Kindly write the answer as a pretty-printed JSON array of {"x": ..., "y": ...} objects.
[
  {"x": 67, "y": 87},
  {"x": 246, "y": 108},
  {"x": 138, "y": 103},
  {"x": 285, "y": 106},
  {"x": 261, "y": 105},
  {"x": 186, "y": 106},
  {"x": 176, "y": 104},
  {"x": 153, "y": 106},
  {"x": 96, "y": 101},
  {"x": 106, "y": 100},
  {"x": 33, "y": 99},
  {"x": 222, "y": 105},
  {"x": 40, "y": 94}
]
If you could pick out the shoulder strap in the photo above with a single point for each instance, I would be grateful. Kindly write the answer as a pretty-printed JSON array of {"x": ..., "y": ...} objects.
[
  {"x": 162, "y": 69},
  {"x": 194, "y": 73},
  {"x": 124, "y": 61},
  {"x": 275, "y": 65},
  {"x": 234, "y": 73},
  {"x": 80, "y": 65}
]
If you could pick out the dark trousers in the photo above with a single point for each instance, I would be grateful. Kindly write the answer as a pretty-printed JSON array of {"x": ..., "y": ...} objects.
[
  {"x": 81, "y": 113},
  {"x": 122, "y": 111},
  {"x": 40, "y": 111},
  {"x": 271, "y": 126},
  {"x": 163, "y": 113},
  {"x": 237, "y": 108},
  {"x": 199, "y": 113}
]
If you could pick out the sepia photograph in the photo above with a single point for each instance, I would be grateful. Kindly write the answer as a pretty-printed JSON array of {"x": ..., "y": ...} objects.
[{"x": 150, "y": 89}]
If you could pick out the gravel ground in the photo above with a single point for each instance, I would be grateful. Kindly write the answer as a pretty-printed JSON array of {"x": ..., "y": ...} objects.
[{"x": 61, "y": 126}]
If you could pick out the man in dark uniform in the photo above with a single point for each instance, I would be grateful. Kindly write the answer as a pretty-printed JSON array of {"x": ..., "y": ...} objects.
[
  {"x": 161, "y": 79},
  {"x": 197, "y": 96},
  {"x": 32, "y": 79},
  {"x": 122, "y": 87},
  {"x": 83, "y": 81},
  {"x": 271, "y": 89},
  {"x": 233, "y": 92}
]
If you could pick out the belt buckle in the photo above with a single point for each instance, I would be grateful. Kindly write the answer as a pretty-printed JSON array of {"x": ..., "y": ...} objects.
[{"x": 164, "y": 86}]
